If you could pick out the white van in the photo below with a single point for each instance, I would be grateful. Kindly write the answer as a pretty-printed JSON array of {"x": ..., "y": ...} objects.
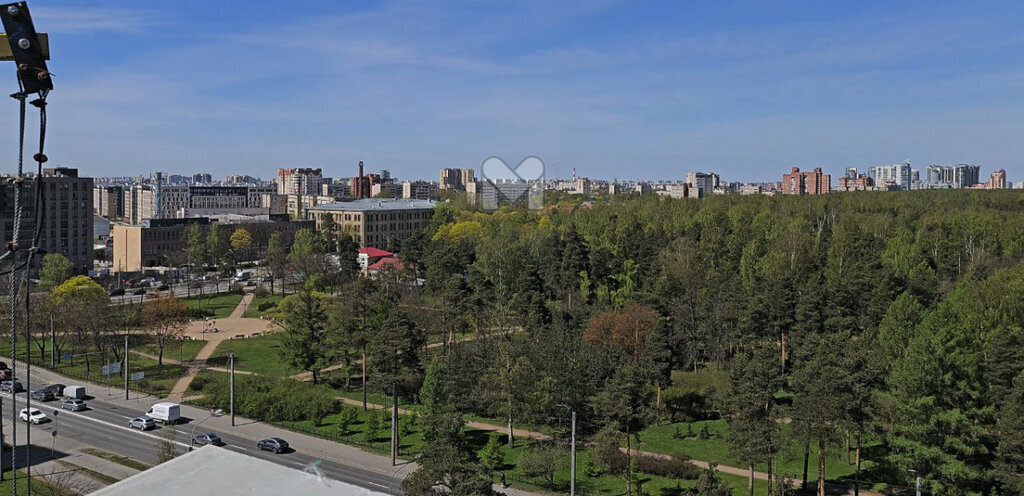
[
  {"x": 165, "y": 413},
  {"x": 75, "y": 392}
]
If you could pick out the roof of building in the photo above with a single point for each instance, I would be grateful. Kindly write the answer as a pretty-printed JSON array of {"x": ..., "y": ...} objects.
[
  {"x": 214, "y": 471},
  {"x": 375, "y": 252},
  {"x": 387, "y": 262},
  {"x": 376, "y": 205}
]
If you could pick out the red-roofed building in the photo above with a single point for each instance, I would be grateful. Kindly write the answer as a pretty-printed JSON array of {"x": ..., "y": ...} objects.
[
  {"x": 370, "y": 256},
  {"x": 385, "y": 262}
]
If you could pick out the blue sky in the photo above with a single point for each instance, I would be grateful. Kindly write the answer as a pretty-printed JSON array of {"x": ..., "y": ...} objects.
[{"x": 616, "y": 89}]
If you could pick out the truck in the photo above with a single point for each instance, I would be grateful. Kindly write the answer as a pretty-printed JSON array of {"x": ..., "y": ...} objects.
[
  {"x": 243, "y": 275},
  {"x": 75, "y": 392},
  {"x": 165, "y": 412}
]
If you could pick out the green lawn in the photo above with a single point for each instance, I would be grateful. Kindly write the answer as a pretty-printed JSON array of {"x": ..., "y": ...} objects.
[
  {"x": 179, "y": 349},
  {"x": 252, "y": 311},
  {"x": 260, "y": 354},
  {"x": 39, "y": 485},
  {"x": 590, "y": 480},
  {"x": 662, "y": 439},
  {"x": 221, "y": 304}
]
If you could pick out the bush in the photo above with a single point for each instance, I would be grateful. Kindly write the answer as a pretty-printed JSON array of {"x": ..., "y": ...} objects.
[
  {"x": 272, "y": 399},
  {"x": 346, "y": 417},
  {"x": 607, "y": 455},
  {"x": 542, "y": 461},
  {"x": 674, "y": 467},
  {"x": 237, "y": 288},
  {"x": 261, "y": 292},
  {"x": 200, "y": 313},
  {"x": 266, "y": 305},
  {"x": 198, "y": 383}
]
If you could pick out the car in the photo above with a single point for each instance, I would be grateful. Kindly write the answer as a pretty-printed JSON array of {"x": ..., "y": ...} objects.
[
  {"x": 11, "y": 386},
  {"x": 143, "y": 423},
  {"x": 163, "y": 287},
  {"x": 268, "y": 279},
  {"x": 116, "y": 292},
  {"x": 208, "y": 438},
  {"x": 33, "y": 415},
  {"x": 250, "y": 282},
  {"x": 139, "y": 292},
  {"x": 73, "y": 405},
  {"x": 43, "y": 395},
  {"x": 58, "y": 389},
  {"x": 274, "y": 444}
]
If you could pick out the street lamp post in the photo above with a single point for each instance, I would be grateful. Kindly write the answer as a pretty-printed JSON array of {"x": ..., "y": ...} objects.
[
  {"x": 918, "y": 484},
  {"x": 192, "y": 437},
  {"x": 572, "y": 469}
]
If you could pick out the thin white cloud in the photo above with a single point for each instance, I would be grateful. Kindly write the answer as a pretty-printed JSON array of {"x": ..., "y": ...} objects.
[{"x": 88, "y": 20}]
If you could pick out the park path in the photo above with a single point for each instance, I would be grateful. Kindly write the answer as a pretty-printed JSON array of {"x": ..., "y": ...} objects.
[
  {"x": 233, "y": 326},
  {"x": 528, "y": 434},
  {"x": 308, "y": 376}
]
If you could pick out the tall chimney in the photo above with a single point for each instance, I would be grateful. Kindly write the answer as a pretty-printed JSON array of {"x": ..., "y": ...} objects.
[{"x": 359, "y": 193}]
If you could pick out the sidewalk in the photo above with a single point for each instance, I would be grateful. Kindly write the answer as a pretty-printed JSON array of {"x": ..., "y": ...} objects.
[{"x": 327, "y": 450}]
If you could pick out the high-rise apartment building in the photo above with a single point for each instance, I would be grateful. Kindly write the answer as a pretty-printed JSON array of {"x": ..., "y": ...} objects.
[
  {"x": 455, "y": 179},
  {"x": 68, "y": 221},
  {"x": 997, "y": 180},
  {"x": 956, "y": 176},
  {"x": 899, "y": 175},
  {"x": 813, "y": 182},
  {"x": 108, "y": 201},
  {"x": 704, "y": 182},
  {"x": 299, "y": 181},
  {"x": 419, "y": 190}
]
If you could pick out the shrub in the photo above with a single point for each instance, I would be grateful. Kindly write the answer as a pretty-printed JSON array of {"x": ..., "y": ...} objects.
[
  {"x": 346, "y": 417},
  {"x": 237, "y": 288},
  {"x": 674, "y": 467},
  {"x": 200, "y": 313},
  {"x": 266, "y": 305},
  {"x": 198, "y": 383},
  {"x": 542, "y": 461},
  {"x": 607, "y": 455},
  {"x": 261, "y": 292}
]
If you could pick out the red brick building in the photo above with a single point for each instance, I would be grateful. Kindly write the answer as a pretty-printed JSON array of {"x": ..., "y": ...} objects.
[{"x": 806, "y": 183}]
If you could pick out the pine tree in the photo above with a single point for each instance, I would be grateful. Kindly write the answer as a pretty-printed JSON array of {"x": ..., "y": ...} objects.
[{"x": 1009, "y": 463}]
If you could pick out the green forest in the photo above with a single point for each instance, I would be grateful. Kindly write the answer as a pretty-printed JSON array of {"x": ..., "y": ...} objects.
[{"x": 880, "y": 328}]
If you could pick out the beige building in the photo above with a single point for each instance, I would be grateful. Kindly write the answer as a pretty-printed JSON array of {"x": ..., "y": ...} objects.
[
  {"x": 455, "y": 179},
  {"x": 162, "y": 242},
  {"x": 377, "y": 223},
  {"x": 419, "y": 190}
]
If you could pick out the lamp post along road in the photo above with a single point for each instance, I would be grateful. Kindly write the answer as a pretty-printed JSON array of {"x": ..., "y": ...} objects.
[{"x": 192, "y": 437}]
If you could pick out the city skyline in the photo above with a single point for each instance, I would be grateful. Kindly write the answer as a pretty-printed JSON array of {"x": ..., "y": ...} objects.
[{"x": 613, "y": 89}]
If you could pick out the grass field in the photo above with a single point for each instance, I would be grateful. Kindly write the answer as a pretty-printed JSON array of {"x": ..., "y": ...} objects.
[
  {"x": 221, "y": 304},
  {"x": 181, "y": 349},
  {"x": 260, "y": 354},
  {"x": 252, "y": 311}
]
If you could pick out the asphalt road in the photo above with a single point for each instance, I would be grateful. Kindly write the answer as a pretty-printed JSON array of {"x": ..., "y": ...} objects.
[{"x": 105, "y": 426}]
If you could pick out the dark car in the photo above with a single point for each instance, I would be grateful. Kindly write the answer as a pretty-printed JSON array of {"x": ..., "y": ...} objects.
[
  {"x": 43, "y": 395},
  {"x": 139, "y": 292},
  {"x": 143, "y": 423},
  {"x": 73, "y": 405},
  {"x": 11, "y": 387},
  {"x": 275, "y": 444},
  {"x": 163, "y": 287},
  {"x": 250, "y": 282},
  {"x": 208, "y": 438},
  {"x": 116, "y": 292},
  {"x": 268, "y": 279},
  {"x": 58, "y": 389}
]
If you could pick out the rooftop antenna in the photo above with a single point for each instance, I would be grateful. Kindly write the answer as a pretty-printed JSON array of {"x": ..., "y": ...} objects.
[{"x": 29, "y": 51}]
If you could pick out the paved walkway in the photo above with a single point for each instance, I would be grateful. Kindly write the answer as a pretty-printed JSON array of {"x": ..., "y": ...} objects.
[{"x": 234, "y": 326}]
